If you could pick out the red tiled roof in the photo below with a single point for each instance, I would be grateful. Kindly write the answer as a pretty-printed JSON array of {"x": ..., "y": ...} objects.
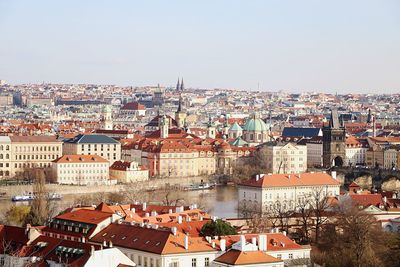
[
  {"x": 80, "y": 159},
  {"x": 237, "y": 257},
  {"x": 303, "y": 179},
  {"x": 133, "y": 106},
  {"x": 85, "y": 216}
]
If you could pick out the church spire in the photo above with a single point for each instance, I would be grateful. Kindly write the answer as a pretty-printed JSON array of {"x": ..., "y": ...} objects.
[
  {"x": 178, "y": 85},
  {"x": 182, "y": 86},
  {"x": 180, "y": 104}
]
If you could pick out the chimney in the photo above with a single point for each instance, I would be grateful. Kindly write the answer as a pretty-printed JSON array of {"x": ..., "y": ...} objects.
[
  {"x": 83, "y": 239},
  {"x": 147, "y": 214},
  {"x": 144, "y": 207},
  {"x": 170, "y": 211},
  {"x": 104, "y": 243},
  {"x": 242, "y": 242},
  {"x": 110, "y": 244},
  {"x": 186, "y": 242},
  {"x": 257, "y": 177},
  {"x": 284, "y": 233},
  {"x": 179, "y": 219},
  {"x": 173, "y": 230},
  {"x": 222, "y": 244},
  {"x": 262, "y": 245},
  {"x": 154, "y": 213},
  {"x": 133, "y": 210},
  {"x": 384, "y": 199},
  {"x": 333, "y": 174},
  {"x": 91, "y": 250},
  {"x": 213, "y": 244}
]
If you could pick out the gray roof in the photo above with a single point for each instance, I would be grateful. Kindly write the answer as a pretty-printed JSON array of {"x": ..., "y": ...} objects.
[
  {"x": 91, "y": 139},
  {"x": 334, "y": 121},
  {"x": 301, "y": 132}
]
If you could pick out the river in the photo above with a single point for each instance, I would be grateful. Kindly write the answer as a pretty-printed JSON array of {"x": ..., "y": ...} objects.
[{"x": 220, "y": 202}]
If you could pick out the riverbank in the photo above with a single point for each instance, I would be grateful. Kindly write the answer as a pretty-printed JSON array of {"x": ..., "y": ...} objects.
[{"x": 8, "y": 191}]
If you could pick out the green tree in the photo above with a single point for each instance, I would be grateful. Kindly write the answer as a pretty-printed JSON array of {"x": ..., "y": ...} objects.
[
  {"x": 217, "y": 228},
  {"x": 17, "y": 215}
]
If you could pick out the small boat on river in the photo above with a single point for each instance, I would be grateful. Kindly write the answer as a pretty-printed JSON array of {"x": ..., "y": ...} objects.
[{"x": 29, "y": 196}]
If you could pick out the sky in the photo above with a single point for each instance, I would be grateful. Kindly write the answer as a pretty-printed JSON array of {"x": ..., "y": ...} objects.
[{"x": 309, "y": 45}]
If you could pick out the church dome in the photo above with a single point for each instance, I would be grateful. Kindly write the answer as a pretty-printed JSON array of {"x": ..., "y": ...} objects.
[{"x": 255, "y": 124}]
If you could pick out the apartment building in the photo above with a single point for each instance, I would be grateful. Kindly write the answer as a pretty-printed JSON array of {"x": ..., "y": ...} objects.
[
  {"x": 19, "y": 154},
  {"x": 266, "y": 190},
  {"x": 285, "y": 157},
  {"x": 128, "y": 172},
  {"x": 93, "y": 144},
  {"x": 81, "y": 170}
]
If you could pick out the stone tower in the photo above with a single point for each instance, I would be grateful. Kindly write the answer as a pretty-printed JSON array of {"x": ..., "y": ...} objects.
[
  {"x": 164, "y": 126},
  {"x": 211, "y": 131},
  {"x": 106, "y": 119},
  {"x": 334, "y": 142},
  {"x": 180, "y": 115}
]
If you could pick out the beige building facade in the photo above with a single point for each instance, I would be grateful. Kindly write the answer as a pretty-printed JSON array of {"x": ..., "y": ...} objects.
[
  {"x": 93, "y": 144},
  {"x": 19, "y": 154},
  {"x": 285, "y": 157},
  {"x": 81, "y": 170}
]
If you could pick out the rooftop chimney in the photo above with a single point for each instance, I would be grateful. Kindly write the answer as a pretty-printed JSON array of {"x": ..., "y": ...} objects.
[
  {"x": 186, "y": 242},
  {"x": 173, "y": 230},
  {"x": 170, "y": 211},
  {"x": 222, "y": 244},
  {"x": 91, "y": 250},
  {"x": 257, "y": 177},
  {"x": 110, "y": 244},
  {"x": 333, "y": 174},
  {"x": 83, "y": 239},
  {"x": 242, "y": 242},
  {"x": 179, "y": 219},
  {"x": 144, "y": 207}
]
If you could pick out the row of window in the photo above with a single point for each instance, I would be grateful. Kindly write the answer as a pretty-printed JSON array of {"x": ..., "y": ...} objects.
[{"x": 34, "y": 148}]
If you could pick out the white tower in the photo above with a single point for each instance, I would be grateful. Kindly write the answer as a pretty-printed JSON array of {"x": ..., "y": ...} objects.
[
  {"x": 164, "y": 127},
  {"x": 107, "y": 122}
]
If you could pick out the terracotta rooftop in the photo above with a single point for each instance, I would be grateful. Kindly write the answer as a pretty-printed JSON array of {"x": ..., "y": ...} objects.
[
  {"x": 287, "y": 180},
  {"x": 237, "y": 257},
  {"x": 81, "y": 159}
]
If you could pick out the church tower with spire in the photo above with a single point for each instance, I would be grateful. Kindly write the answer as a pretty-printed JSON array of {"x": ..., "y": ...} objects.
[
  {"x": 180, "y": 115},
  {"x": 182, "y": 86},
  {"x": 178, "y": 86},
  {"x": 334, "y": 142}
]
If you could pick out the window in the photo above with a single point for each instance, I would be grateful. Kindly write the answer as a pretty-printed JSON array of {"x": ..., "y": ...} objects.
[
  {"x": 206, "y": 262},
  {"x": 145, "y": 261},
  {"x": 194, "y": 262},
  {"x": 279, "y": 256},
  {"x": 158, "y": 264},
  {"x": 139, "y": 260},
  {"x": 290, "y": 256},
  {"x": 174, "y": 264}
]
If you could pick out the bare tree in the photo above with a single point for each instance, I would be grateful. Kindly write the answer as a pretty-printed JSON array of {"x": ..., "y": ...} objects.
[
  {"x": 319, "y": 203},
  {"x": 305, "y": 212}
]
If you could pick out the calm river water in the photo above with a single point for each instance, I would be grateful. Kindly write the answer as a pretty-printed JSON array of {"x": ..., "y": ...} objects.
[{"x": 221, "y": 202}]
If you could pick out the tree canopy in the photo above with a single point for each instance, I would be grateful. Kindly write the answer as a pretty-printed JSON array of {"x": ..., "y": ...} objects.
[{"x": 217, "y": 228}]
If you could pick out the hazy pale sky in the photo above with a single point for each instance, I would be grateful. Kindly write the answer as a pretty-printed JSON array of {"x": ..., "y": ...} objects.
[{"x": 331, "y": 46}]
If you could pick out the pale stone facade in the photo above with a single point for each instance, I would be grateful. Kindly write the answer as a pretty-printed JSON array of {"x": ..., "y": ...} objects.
[
  {"x": 264, "y": 191},
  {"x": 18, "y": 154},
  {"x": 93, "y": 144},
  {"x": 81, "y": 170},
  {"x": 285, "y": 158}
]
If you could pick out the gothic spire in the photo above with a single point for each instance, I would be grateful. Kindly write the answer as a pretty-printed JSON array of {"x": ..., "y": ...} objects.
[
  {"x": 180, "y": 104},
  {"x": 334, "y": 120},
  {"x": 178, "y": 85},
  {"x": 182, "y": 86}
]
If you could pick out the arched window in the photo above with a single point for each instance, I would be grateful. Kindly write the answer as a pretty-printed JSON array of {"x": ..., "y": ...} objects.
[
  {"x": 1, "y": 156},
  {"x": 1, "y": 147}
]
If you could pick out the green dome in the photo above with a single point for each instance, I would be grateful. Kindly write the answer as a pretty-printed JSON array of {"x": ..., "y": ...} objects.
[
  {"x": 235, "y": 127},
  {"x": 255, "y": 124}
]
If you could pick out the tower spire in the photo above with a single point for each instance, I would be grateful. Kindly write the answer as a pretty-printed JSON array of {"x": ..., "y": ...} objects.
[
  {"x": 180, "y": 104},
  {"x": 178, "y": 85},
  {"x": 182, "y": 85}
]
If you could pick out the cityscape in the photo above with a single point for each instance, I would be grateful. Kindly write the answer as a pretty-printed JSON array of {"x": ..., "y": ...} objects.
[{"x": 178, "y": 168}]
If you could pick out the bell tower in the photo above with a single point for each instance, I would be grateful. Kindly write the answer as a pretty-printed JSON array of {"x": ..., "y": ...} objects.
[
  {"x": 106, "y": 119},
  {"x": 334, "y": 142},
  {"x": 180, "y": 115}
]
